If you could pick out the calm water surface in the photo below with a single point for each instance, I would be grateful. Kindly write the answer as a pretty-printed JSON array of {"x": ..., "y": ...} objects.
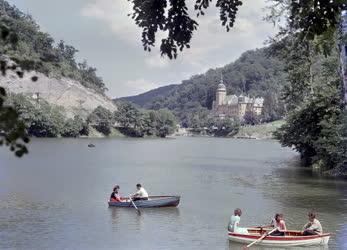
[{"x": 55, "y": 198}]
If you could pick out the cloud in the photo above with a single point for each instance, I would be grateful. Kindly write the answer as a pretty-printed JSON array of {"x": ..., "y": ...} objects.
[
  {"x": 114, "y": 13},
  {"x": 211, "y": 45}
]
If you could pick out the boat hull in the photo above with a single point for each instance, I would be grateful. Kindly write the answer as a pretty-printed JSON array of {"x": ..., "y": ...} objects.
[
  {"x": 291, "y": 239},
  {"x": 153, "y": 201}
]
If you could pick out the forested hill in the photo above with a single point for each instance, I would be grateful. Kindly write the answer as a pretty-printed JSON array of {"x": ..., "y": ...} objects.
[
  {"x": 149, "y": 96},
  {"x": 37, "y": 50},
  {"x": 255, "y": 73}
]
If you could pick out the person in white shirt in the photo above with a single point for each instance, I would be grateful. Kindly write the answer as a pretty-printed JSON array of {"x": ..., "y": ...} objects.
[
  {"x": 141, "y": 193},
  {"x": 235, "y": 222},
  {"x": 313, "y": 226}
]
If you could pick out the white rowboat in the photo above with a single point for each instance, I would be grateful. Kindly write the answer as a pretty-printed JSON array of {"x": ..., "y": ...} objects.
[{"x": 291, "y": 238}]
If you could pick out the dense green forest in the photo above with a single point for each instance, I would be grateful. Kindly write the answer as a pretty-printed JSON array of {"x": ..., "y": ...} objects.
[
  {"x": 33, "y": 49},
  {"x": 149, "y": 96},
  {"x": 255, "y": 73}
]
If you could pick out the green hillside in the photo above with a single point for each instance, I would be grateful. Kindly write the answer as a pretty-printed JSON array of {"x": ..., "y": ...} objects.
[
  {"x": 255, "y": 73},
  {"x": 149, "y": 96},
  {"x": 33, "y": 49}
]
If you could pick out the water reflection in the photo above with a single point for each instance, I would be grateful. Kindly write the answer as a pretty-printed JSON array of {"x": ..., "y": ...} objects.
[
  {"x": 122, "y": 215},
  {"x": 298, "y": 191},
  {"x": 60, "y": 197}
]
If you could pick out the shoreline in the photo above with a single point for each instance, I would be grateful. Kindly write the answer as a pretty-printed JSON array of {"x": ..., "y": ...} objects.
[{"x": 250, "y": 132}]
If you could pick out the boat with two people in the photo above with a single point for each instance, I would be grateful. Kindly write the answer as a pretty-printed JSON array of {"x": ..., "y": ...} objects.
[{"x": 142, "y": 199}]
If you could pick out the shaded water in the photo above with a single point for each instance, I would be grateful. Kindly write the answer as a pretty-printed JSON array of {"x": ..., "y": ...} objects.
[{"x": 56, "y": 196}]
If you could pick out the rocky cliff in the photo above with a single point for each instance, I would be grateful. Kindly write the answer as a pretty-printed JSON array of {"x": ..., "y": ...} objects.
[{"x": 70, "y": 94}]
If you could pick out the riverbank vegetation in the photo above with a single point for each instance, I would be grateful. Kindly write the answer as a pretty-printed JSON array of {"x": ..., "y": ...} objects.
[
  {"x": 315, "y": 124},
  {"x": 260, "y": 131},
  {"x": 42, "y": 119},
  {"x": 213, "y": 126},
  {"x": 139, "y": 123}
]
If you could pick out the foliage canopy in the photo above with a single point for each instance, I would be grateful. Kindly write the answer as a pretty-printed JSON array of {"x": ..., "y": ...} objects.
[{"x": 312, "y": 17}]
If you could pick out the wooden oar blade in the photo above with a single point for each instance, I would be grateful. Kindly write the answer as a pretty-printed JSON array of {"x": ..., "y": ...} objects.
[
  {"x": 259, "y": 239},
  {"x": 132, "y": 202}
]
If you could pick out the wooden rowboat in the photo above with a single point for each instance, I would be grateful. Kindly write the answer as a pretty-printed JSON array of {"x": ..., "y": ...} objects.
[
  {"x": 153, "y": 201},
  {"x": 291, "y": 238}
]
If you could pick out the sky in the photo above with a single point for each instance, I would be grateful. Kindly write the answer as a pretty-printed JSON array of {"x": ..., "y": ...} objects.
[{"x": 110, "y": 41}]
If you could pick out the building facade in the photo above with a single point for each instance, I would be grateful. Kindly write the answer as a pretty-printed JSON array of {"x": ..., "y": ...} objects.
[{"x": 233, "y": 106}]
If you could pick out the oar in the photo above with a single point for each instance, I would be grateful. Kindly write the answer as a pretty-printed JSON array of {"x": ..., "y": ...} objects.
[
  {"x": 132, "y": 202},
  {"x": 260, "y": 239}
]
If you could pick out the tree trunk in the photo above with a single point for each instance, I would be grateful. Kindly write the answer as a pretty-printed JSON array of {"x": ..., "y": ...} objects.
[{"x": 344, "y": 54}]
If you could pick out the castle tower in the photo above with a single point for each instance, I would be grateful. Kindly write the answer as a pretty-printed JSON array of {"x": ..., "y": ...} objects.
[{"x": 221, "y": 93}]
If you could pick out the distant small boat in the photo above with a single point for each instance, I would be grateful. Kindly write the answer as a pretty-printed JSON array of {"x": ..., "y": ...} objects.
[
  {"x": 291, "y": 239},
  {"x": 153, "y": 201},
  {"x": 91, "y": 145}
]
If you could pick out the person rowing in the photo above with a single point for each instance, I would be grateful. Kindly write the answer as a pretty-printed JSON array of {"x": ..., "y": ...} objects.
[
  {"x": 234, "y": 223},
  {"x": 141, "y": 193},
  {"x": 313, "y": 226},
  {"x": 115, "y": 197},
  {"x": 280, "y": 225}
]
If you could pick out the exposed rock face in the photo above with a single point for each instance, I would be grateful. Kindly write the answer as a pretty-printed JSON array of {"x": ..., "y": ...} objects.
[{"x": 70, "y": 94}]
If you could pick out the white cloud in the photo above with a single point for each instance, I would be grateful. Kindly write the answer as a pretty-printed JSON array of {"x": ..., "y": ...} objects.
[
  {"x": 114, "y": 13},
  {"x": 211, "y": 45}
]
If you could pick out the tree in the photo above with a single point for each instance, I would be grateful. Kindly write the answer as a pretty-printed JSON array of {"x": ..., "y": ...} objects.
[
  {"x": 165, "y": 122},
  {"x": 12, "y": 129},
  {"x": 250, "y": 118},
  {"x": 73, "y": 127},
  {"x": 313, "y": 130},
  {"x": 101, "y": 119},
  {"x": 139, "y": 123},
  {"x": 315, "y": 120},
  {"x": 127, "y": 115},
  {"x": 68, "y": 52},
  {"x": 131, "y": 121},
  {"x": 225, "y": 127},
  {"x": 313, "y": 17}
]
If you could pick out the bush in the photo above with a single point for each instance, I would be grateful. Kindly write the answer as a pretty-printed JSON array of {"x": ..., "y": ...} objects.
[
  {"x": 73, "y": 127},
  {"x": 135, "y": 123},
  {"x": 101, "y": 119}
]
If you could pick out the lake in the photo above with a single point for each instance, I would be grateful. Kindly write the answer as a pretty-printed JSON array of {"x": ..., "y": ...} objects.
[{"x": 56, "y": 197}]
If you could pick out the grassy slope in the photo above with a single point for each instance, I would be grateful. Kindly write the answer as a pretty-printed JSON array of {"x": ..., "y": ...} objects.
[{"x": 262, "y": 131}]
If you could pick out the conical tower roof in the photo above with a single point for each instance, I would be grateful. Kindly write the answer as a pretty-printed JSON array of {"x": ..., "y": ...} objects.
[{"x": 221, "y": 85}]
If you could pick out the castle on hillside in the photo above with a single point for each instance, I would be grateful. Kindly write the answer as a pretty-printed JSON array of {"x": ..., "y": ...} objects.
[{"x": 233, "y": 106}]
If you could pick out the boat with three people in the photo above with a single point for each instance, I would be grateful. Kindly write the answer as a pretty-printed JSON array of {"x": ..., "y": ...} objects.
[{"x": 290, "y": 239}]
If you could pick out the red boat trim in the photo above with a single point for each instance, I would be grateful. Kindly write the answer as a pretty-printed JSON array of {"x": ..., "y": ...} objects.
[{"x": 280, "y": 238}]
